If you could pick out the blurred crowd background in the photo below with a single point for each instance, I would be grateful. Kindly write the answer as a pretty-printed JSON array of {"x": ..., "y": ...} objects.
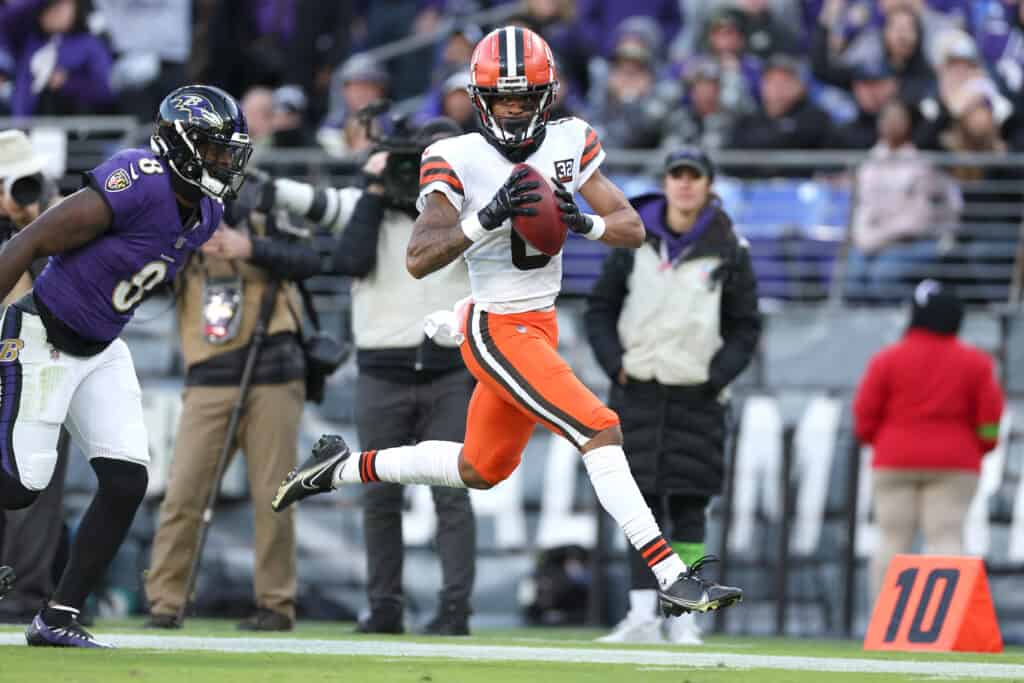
[
  {"x": 645, "y": 73},
  {"x": 930, "y": 92}
]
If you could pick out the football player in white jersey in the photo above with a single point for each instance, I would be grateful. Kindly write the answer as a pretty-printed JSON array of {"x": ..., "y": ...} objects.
[{"x": 468, "y": 195}]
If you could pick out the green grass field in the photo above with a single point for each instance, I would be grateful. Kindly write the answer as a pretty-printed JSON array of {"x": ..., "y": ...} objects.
[{"x": 330, "y": 652}]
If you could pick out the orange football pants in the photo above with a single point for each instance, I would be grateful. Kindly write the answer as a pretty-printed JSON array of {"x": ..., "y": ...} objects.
[{"x": 521, "y": 381}]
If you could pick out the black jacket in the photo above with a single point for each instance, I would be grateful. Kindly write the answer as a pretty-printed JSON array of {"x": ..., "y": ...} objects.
[
  {"x": 675, "y": 435},
  {"x": 804, "y": 126}
]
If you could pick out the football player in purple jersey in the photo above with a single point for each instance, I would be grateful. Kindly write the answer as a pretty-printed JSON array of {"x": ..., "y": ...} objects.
[{"x": 141, "y": 215}]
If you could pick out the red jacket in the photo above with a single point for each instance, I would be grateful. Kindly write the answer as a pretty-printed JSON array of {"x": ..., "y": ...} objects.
[{"x": 929, "y": 401}]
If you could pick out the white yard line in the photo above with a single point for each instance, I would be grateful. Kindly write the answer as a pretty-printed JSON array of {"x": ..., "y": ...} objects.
[{"x": 641, "y": 658}]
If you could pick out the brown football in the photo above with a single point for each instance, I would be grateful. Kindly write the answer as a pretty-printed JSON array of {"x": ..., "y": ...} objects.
[{"x": 546, "y": 231}]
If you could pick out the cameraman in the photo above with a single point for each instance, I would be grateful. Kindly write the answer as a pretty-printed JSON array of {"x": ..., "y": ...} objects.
[
  {"x": 410, "y": 389},
  {"x": 29, "y": 538},
  {"x": 219, "y": 299}
]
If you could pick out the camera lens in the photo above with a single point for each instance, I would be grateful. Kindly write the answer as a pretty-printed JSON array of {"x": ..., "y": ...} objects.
[{"x": 26, "y": 190}]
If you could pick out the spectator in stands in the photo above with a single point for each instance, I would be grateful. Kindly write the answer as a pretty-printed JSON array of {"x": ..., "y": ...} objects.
[
  {"x": 670, "y": 363},
  {"x": 766, "y": 33},
  {"x": 903, "y": 207},
  {"x": 992, "y": 196},
  {"x": 151, "y": 42},
  {"x": 930, "y": 407},
  {"x": 275, "y": 42},
  {"x": 456, "y": 103},
  {"x": 451, "y": 99},
  {"x": 58, "y": 66},
  {"x": 725, "y": 41},
  {"x": 258, "y": 106},
  {"x": 898, "y": 44},
  {"x": 456, "y": 51},
  {"x": 239, "y": 275},
  {"x": 289, "y": 118},
  {"x": 788, "y": 119},
  {"x": 30, "y": 538},
  {"x": 410, "y": 389},
  {"x": 702, "y": 120},
  {"x": 873, "y": 86},
  {"x": 1000, "y": 38},
  {"x": 627, "y": 114},
  {"x": 598, "y": 20},
  {"x": 553, "y": 20},
  {"x": 358, "y": 82},
  {"x": 412, "y": 73},
  {"x": 960, "y": 73}
]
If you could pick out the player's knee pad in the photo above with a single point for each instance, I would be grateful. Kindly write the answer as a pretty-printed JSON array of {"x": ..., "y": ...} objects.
[
  {"x": 36, "y": 470},
  {"x": 121, "y": 482},
  {"x": 13, "y": 494}
]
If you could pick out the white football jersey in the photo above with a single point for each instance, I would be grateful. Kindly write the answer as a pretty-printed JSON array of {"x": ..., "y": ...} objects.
[{"x": 506, "y": 274}]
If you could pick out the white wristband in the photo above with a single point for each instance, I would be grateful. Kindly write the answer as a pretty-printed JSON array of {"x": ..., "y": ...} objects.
[
  {"x": 597, "y": 231},
  {"x": 472, "y": 229}
]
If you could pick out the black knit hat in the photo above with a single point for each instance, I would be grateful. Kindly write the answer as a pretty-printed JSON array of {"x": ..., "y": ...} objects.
[
  {"x": 436, "y": 129},
  {"x": 936, "y": 308}
]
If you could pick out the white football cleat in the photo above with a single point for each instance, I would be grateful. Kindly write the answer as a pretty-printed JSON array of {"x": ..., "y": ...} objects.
[
  {"x": 683, "y": 630},
  {"x": 635, "y": 629}
]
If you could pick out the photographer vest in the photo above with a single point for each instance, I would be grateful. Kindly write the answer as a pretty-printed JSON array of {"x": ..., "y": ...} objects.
[
  {"x": 190, "y": 287},
  {"x": 389, "y": 304}
]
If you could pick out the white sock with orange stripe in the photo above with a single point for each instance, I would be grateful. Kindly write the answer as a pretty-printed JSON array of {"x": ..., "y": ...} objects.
[
  {"x": 435, "y": 463},
  {"x": 621, "y": 498}
]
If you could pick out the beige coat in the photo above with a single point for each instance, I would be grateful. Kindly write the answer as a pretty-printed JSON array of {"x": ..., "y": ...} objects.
[{"x": 901, "y": 196}]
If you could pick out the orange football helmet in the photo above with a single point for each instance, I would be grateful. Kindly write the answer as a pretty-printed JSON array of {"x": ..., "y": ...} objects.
[{"x": 513, "y": 62}]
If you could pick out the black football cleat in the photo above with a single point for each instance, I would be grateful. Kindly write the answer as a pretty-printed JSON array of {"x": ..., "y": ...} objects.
[
  {"x": 316, "y": 474},
  {"x": 72, "y": 634},
  {"x": 693, "y": 593},
  {"x": 7, "y": 578}
]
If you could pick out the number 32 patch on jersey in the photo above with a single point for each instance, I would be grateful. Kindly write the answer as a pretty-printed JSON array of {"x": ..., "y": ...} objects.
[
  {"x": 117, "y": 181},
  {"x": 563, "y": 170}
]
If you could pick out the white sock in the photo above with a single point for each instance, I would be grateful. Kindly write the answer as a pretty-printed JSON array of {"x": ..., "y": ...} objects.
[
  {"x": 621, "y": 498},
  {"x": 642, "y": 604},
  {"x": 435, "y": 463}
]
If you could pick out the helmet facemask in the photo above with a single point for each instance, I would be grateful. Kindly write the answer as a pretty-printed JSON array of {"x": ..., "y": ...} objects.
[
  {"x": 213, "y": 163},
  {"x": 520, "y": 130}
]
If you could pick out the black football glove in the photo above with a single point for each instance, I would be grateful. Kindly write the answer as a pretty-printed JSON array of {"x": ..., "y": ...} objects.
[
  {"x": 579, "y": 223},
  {"x": 510, "y": 200}
]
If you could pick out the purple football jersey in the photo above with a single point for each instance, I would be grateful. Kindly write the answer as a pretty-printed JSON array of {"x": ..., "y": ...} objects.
[{"x": 95, "y": 289}]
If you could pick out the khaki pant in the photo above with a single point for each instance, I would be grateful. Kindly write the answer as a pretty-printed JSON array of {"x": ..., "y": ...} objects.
[
  {"x": 934, "y": 501},
  {"x": 267, "y": 434}
]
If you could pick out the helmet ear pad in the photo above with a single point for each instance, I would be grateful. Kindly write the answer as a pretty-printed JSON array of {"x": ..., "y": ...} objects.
[{"x": 191, "y": 166}]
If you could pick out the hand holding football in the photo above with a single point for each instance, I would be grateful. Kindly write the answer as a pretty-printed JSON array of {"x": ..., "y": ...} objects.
[{"x": 545, "y": 230}]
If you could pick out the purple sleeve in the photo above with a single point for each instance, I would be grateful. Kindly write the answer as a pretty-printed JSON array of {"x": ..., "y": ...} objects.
[
  {"x": 89, "y": 82},
  {"x": 18, "y": 21},
  {"x": 118, "y": 181}
]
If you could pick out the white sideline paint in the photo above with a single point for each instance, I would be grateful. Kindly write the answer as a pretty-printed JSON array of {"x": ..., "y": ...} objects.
[{"x": 683, "y": 658}]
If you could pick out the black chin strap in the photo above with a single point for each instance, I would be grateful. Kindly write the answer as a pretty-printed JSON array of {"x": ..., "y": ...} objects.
[{"x": 516, "y": 154}]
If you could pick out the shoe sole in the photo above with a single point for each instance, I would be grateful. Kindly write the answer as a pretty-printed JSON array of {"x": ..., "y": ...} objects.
[
  {"x": 279, "y": 503},
  {"x": 671, "y": 608}
]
